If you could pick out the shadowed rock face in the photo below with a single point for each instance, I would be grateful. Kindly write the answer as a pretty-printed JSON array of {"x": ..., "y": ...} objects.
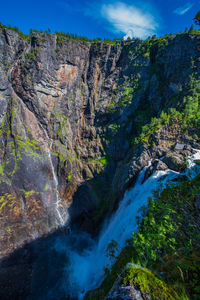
[{"x": 66, "y": 112}]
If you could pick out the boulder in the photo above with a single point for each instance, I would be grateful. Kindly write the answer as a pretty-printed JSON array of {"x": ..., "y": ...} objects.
[
  {"x": 125, "y": 293},
  {"x": 175, "y": 162},
  {"x": 179, "y": 146}
]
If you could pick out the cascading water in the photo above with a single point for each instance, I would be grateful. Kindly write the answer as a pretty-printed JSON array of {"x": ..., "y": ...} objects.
[
  {"x": 192, "y": 168},
  {"x": 61, "y": 221},
  {"x": 87, "y": 257},
  {"x": 85, "y": 270}
]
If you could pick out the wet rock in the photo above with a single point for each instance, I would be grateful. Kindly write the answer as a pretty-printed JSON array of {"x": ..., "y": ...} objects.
[
  {"x": 175, "y": 162},
  {"x": 157, "y": 165},
  {"x": 184, "y": 149},
  {"x": 126, "y": 293},
  {"x": 188, "y": 148},
  {"x": 160, "y": 152}
]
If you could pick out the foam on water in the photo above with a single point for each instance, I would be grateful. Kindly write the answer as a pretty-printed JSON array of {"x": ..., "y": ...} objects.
[{"x": 87, "y": 266}]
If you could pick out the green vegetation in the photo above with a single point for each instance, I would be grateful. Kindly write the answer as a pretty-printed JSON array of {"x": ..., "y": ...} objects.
[
  {"x": 29, "y": 193},
  {"x": 15, "y": 29},
  {"x": 62, "y": 119},
  {"x": 113, "y": 129},
  {"x": 187, "y": 115},
  {"x": 30, "y": 146},
  {"x": 31, "y": 55},
  {"x": 163, "y": 234},
  {"x": 150, "y": 47},
  {"x": 127, "y": 90},
  {"x": 164, "y": 243},
  {"x": 9, "y": 204},
  {"x": 197, "y": 18},
  {"x": 111, "y": 249},
  {"x": 3, "y": 202},
  {"x": 148, "y": 283},
  {"x": 99, "y": 163},
  {"x": 17, "y": 144},
  {"x": 61, "y": 36},
  {"x": 197, "y": 162},
  {"x": 46, "y": 187}
]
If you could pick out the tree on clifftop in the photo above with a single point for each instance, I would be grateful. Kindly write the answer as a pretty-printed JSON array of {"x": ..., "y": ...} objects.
[{"x": 197, "y": 18}]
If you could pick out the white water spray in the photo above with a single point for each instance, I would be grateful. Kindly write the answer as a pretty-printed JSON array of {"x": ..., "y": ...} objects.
[
  {"x": 192, "y": 168},
  {"x": 86, "y": 268}
]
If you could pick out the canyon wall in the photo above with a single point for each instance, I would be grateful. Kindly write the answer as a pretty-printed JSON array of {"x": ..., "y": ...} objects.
[{"x": 69, "y": 112}]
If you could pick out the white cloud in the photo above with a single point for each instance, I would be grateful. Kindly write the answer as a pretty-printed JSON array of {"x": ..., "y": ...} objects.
[
  {"x": 183, "y": 9},
  {"x": 129, "y": 20}
]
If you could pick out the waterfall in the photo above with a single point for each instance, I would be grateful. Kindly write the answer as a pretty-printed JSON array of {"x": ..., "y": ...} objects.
[
  {"x": 55, "y": 179},
  {"x": 91, "y": 263},
  {"x": 85, "y": 270},
  {"x": 87, "y": 257},
  {"x": 192, "y": 168}
]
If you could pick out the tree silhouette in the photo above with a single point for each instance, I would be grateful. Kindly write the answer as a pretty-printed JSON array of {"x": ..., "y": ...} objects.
[{"x": 197, "y": 18}]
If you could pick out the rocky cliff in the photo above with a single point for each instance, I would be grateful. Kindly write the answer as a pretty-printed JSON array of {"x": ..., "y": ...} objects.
[{"x": 73, "y": 117}]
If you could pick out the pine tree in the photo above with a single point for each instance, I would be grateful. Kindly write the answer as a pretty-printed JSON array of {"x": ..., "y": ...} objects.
[
  {"x": 191, "y": 28},
  {"x": 197, "y": 18}
]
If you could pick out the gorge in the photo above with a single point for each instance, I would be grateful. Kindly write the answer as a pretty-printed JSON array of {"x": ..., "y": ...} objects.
[{"x": 89, "y": 131}]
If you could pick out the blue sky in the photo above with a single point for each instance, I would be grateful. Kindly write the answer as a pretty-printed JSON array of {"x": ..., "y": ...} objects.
[{"x": 105, "y": 19}]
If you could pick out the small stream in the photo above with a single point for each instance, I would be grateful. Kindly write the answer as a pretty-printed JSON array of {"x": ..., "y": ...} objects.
[{"x": 61, "y": 221}]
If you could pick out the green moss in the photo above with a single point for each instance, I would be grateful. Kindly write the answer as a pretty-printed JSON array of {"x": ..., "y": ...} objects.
[
  {"x": 66, "y": 160},
  {"x": 8, "y": 229},
  {"x": 3, "y": 204},
  {"x": 62, "y": 123},
  {"x": 29, "y": 193},
  {"x": 46, "y": 187},
  {"x": 197, "y": 162},
  {"x": 1, "y": 170},
  {"x": 31, "y": 55},
  {"x": 59, "y": 115},
  {"x": 29, "y": 146},
  {"x": 148, "y": 284},
  {"x": 69, "y": 176}
]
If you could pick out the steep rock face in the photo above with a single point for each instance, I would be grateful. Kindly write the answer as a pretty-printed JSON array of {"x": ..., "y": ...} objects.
[
  {"x": 48, "y": 111},
  {"x": 69, "y": 111}
]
